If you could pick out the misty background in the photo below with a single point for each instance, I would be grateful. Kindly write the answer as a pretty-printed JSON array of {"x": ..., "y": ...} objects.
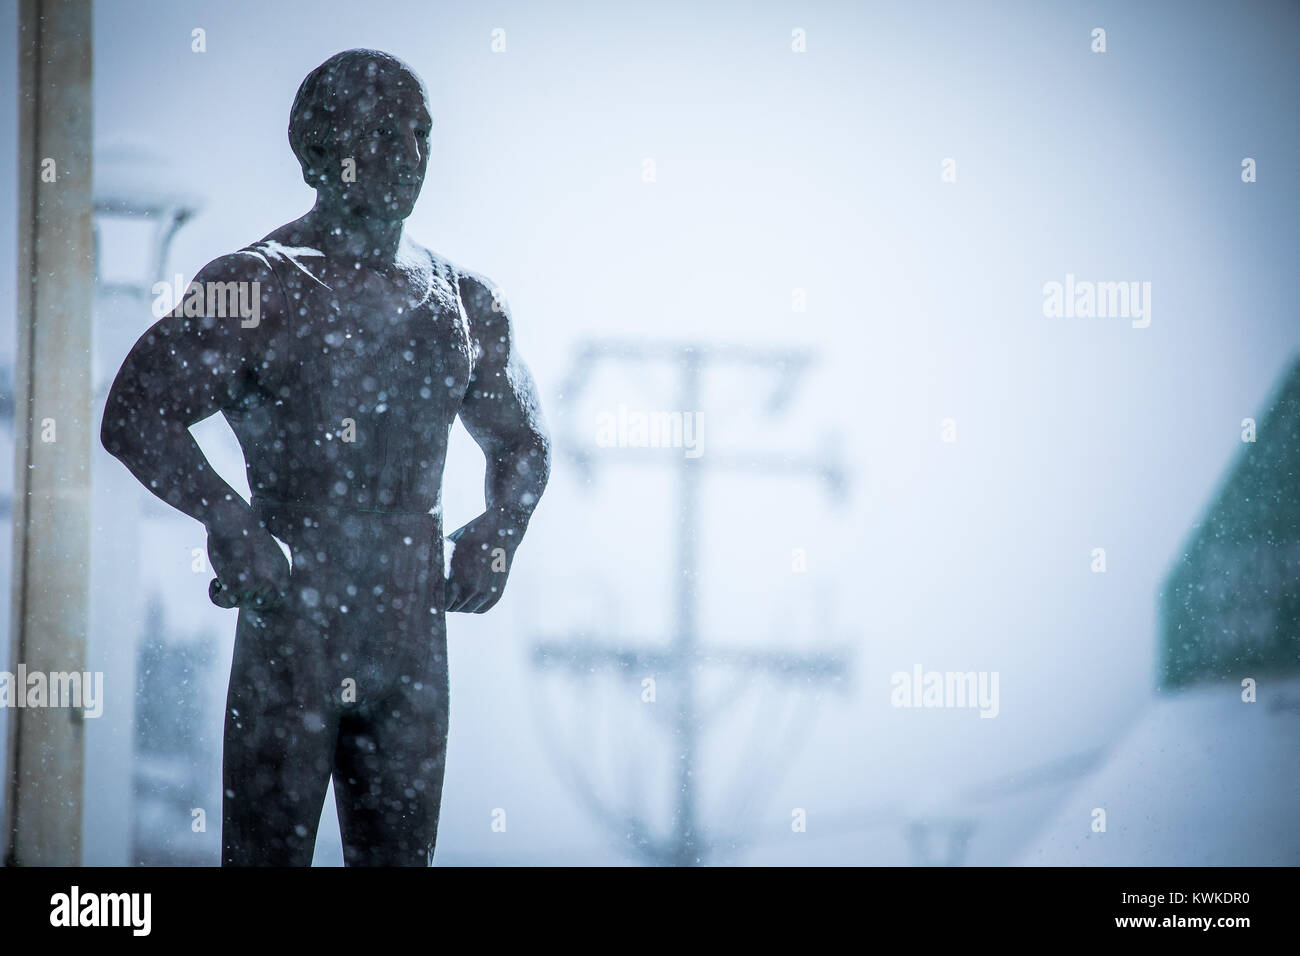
[{"x": 776, "y": 175}]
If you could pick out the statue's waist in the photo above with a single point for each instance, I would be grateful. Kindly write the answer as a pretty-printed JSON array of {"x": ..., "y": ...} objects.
[{"x": 295, "y": 521}]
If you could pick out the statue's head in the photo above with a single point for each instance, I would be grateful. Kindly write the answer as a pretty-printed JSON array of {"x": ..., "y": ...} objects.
[{"x": 371, "y": 109}]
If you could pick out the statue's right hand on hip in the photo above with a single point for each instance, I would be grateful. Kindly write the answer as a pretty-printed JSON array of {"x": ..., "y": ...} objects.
[{"x": 252, "y": 571}]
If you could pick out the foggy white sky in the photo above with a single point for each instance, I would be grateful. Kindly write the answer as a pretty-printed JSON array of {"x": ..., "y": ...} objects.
[{"x": 818, "y": 171}]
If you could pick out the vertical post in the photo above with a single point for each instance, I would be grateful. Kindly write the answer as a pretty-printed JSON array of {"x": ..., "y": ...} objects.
[
  {"x": 686, "y": 638},
  {"x": 53, "y": 415}
]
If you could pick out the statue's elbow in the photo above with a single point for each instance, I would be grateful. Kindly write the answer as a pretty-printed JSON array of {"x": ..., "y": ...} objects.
[
  {"x": 110, "y": 436},
  {"x": 114, "y": 435}
]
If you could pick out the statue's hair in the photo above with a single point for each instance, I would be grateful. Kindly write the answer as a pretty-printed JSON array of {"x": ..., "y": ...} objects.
[{"x": 339, "y": 77}]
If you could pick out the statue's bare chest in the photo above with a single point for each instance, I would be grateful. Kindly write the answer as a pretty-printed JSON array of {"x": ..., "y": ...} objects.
[{"x": 370, "y": 344}]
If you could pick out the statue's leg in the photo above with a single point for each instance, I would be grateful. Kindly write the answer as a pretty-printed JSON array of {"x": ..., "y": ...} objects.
[
  {"x": 281, "y": 727},
  {"x": 389, "y": 767}
]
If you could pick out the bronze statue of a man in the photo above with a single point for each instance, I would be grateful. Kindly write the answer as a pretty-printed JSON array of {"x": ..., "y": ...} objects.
[{"x": 341, "y": 384}]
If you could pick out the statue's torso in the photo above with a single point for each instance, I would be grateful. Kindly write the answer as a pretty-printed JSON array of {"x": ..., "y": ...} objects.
[{"x": 357, "y": 382}]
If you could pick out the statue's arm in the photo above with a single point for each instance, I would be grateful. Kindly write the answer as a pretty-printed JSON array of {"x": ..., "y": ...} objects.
[
  {"x": 181, "y": 371},
  {"x": 184, "y": 369},
  {"x": 503, "y": 414},
  {"x": 501, "y": 409}
]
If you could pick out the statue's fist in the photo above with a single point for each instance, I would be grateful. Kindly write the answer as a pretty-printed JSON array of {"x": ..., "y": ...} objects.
[
  {"x": 480, "y": 563},
  {"x": 251, "y": 569}
]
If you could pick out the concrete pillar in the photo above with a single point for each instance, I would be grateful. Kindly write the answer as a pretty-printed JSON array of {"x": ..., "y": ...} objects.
[{"x": 53, "y": 425}]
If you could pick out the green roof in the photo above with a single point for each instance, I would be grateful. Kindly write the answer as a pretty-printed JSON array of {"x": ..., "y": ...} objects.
[{"x": 1230, "y": 608}]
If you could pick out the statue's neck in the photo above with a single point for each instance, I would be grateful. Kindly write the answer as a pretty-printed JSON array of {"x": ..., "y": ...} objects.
[{"x": 340, "y": 232}]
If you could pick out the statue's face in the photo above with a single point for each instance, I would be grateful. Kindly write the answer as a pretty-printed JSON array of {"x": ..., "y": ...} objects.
[{"x": 385, "y": 129}]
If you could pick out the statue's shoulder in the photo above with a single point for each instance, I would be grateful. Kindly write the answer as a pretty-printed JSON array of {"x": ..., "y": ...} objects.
[
  {"x": 288, "y": 258},
  {"x": 242, "y": 265},
  {"x": 469, "y": 286},
  {"x": 441, "y": 267},
  {"x": 284, "y": 246}
]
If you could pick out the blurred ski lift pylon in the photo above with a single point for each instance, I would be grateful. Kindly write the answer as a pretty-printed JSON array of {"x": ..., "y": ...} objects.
[
  {"x": 691, "y": 841},
  {"x": 141, "y": 204},
  {"x": 137, "y": 183},
  {"x": 787, "y": 367}
]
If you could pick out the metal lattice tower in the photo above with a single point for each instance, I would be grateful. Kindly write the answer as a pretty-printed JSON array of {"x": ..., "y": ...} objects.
[{"x": 686, "y": 653}]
